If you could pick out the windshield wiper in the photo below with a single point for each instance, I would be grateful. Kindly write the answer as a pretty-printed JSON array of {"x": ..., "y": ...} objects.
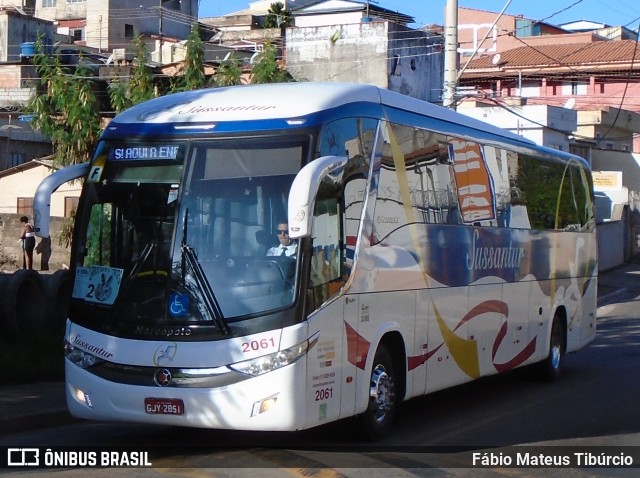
[
  {"x": 142, "y": 258},
  {"x": 190, "y": 261},
  {"x": 150, "y": 246}
]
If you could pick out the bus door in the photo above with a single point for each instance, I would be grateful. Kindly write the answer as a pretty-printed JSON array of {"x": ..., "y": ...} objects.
[{"x": 326, "y": 400}]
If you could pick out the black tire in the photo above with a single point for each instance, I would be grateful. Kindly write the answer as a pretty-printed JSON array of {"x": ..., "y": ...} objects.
[
  {"x": 23, "y": 304},
  {"x": 57, "y": 290},
  {"x": 550, "y": 368},
  {"x": 377, "y": 420}
]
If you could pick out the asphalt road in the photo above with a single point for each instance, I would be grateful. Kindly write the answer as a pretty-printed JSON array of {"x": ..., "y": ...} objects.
[{"x": 594, "y": 405}]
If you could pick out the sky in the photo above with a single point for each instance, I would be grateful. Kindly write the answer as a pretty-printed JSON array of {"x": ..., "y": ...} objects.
[{"x": 612, "y": 12}]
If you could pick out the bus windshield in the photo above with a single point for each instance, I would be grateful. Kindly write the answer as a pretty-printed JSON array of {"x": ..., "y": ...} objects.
[{"x": 185, "y": 239}]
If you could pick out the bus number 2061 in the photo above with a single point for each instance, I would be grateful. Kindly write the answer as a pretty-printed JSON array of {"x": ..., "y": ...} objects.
[{"x": 324, "y": 394}]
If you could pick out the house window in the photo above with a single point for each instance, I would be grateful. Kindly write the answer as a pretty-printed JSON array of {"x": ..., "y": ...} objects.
[
  {"x": 76, "y": 1},
  {"x": 25, "y": 206},
  {"x": 573, "y": 88},
  {"x": 70, "y": 205},
  {"x": 524, "y": 28},
  {"x": 128, "y": 30},
  {"x": 77, "y": 34},
  {"x": 48, "y": 3},
  {"x": 18, "y": 158}
]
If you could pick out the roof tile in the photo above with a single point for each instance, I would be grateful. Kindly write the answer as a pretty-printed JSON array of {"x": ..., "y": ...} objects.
[{"x": 562, "y": 55}]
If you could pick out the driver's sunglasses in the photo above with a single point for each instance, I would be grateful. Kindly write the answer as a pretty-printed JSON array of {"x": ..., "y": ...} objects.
[{"x": 283, "y": 231}]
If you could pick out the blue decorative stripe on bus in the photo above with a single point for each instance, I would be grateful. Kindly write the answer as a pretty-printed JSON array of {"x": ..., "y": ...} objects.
[
  {"x": 176, "y": 130},
  {"x": 473, "y": 253}
]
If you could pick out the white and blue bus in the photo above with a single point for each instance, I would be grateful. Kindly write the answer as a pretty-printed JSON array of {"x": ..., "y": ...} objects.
[{"x": 432, "y": 249}]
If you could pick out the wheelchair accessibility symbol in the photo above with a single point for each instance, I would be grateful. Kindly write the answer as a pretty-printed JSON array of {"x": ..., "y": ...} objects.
[{"x": 178, "y": 304}]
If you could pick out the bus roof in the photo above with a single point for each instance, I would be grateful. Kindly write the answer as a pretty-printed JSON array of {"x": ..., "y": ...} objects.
[{"x": 287, "y": 101}]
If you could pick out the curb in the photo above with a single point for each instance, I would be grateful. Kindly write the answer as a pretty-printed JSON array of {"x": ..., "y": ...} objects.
[{"x": 611, "y": 297}]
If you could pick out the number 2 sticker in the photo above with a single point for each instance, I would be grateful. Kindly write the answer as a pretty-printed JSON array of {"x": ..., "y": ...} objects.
[{"x": 97, "y": 284}]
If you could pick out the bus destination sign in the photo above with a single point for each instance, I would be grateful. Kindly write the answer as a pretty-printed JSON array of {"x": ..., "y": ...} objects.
[{"x": 168, "y": 151}]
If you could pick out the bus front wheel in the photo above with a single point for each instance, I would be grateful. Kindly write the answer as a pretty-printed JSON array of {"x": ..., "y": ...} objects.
[{"x": 377, "y": 420}]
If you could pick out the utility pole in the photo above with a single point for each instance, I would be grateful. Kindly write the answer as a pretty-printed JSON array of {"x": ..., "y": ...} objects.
[
  {"x": 450, "y": 54},
  {"x": 160, "y": 33},
  {"x": 100, "y": 33}
]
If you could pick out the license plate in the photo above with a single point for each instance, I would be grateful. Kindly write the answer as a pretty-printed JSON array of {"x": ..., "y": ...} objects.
[{"x": 164, "y": 406}]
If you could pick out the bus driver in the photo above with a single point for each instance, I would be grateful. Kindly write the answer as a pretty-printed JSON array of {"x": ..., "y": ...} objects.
[{"x": 287, "y": 247}]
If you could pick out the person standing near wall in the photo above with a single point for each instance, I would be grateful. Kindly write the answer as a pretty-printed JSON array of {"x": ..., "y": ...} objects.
[{"x": 28, "y": 238}]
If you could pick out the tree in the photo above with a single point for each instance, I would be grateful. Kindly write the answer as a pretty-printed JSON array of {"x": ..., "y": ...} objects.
[
  {"x": 193, "y": 76},
  {"x": 229, "y": 72},
  {"x": 267, "y": 70},
  {"x": 64, "y": 108},
  {"x": 141, "y": 83},
  {"x": 140, "y": 86},
  {"x": 277, "y": 16}
]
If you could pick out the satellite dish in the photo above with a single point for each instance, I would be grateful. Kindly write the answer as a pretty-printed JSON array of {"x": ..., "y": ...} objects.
[
  {"x": 570, "y": 103},
  {"x": 496, "y": 59}
]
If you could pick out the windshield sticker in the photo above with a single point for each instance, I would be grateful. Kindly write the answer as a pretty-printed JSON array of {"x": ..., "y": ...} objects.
[
  {"x": 179, "y": 304},
  {"x": 97, "y": 284},
  {"x": 81, "y": 282},
  {"x": 95, "y": 172},
  {"x": 173, "y": 194}
]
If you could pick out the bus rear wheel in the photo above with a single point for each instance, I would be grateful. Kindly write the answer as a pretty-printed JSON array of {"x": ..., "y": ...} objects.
[
  {"x": 377, "y": 420},
  {"x": 551, "y": 367}
]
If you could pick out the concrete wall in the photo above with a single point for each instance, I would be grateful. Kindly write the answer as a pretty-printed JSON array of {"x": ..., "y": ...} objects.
[
  {"x": 347, "y": 53},
  {"x": 24, "y": 182},
  {"x": 18, "y": 29},
  {"x": 105, "y": 24},
  {"x": 380, "y": 53},
  {"x": 473, "y": 25},
  {"x": 613, "y": 244},
  {"x": 540, "y": 123},
  {"x": 49, "y": 254},
  {"x": 415, "y": 66},
  {"x": 16, "y": 82}
]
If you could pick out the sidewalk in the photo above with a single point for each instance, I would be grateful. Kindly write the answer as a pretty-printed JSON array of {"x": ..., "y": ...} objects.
[{"x": 27, "y": 407}]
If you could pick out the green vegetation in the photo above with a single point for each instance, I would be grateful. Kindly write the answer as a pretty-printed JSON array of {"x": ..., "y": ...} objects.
[
  {"x": 65, "y": 108},
  {"x": 66, "y": 111},
  {"x": 139, "y": 87},
  {"x": 266, "y": 68},
  {"x": 278, "y": 16}
]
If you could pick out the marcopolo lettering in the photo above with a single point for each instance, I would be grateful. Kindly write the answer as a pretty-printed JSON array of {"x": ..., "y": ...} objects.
[{"x": 163, "y": 331}]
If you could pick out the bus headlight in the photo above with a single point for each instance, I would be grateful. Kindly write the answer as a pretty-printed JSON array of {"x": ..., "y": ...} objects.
[
  {"x": 276, "y": 360},
  {"x": 80, "y": 357}
]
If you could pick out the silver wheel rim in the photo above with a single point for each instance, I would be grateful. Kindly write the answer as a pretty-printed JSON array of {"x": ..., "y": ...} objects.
[
  {"x": 381, "y": 391},
  {"x": 556, "y": 352}
]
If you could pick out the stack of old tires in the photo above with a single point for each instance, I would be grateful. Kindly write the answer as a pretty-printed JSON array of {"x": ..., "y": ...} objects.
[{"x": 32, "y": 304}]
